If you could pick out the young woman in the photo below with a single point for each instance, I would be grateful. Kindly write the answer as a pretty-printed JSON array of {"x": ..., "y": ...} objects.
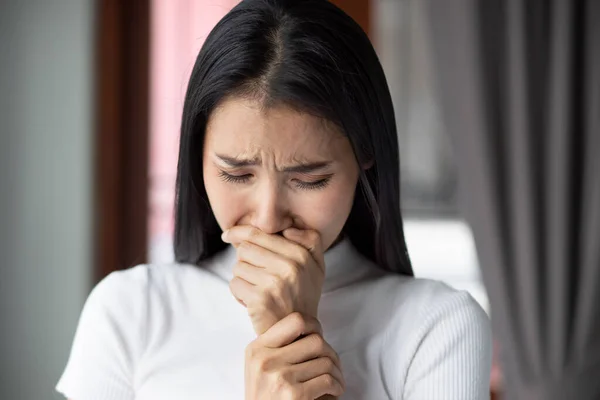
[{"x": 292, "y": 278}]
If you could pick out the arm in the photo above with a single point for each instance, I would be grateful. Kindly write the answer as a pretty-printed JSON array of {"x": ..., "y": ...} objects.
[{"x": 453, "y": 359}]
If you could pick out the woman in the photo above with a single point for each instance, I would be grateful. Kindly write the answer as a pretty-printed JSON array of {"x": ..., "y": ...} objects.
[{"x": 292, "y": 278}]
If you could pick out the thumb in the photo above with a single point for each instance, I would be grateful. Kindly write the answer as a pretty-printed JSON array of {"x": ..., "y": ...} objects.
[{"x": 310, "y": 240}]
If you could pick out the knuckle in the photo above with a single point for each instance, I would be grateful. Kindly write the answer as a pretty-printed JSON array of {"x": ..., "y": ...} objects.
[
  {"x": 274, "y": 284},
  {"x": 313, "y": 237},
  {"x": 291, "y": 270},
  {"x": 298, "y": 321},
  {"x": 329, "y": 380},
  {"x": 303, "y": 257},
  {"x": 253, "y": 233},
  {"x": 261, "y": 364},
  {"x": 257, "y": 359},
  {"x": 251, "y": 351},
  {"x": 318, "y": 343}
]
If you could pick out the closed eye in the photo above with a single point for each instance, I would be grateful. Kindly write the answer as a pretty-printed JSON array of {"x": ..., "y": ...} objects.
[{"x": 241, "y": 179}]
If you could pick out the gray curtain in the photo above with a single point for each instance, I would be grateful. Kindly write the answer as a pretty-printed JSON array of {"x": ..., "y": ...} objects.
[{"x": 520, "y": 91}]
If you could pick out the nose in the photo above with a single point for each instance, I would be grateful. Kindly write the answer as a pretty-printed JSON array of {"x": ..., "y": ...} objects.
[{"x": 271, "y": 212}]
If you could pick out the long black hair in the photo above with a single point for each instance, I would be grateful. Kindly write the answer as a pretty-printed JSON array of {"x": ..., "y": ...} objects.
[{"x": 309, "y": 55}]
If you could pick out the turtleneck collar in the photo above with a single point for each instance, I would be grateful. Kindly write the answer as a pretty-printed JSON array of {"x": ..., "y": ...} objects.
[{"x": 344, "y": 265}]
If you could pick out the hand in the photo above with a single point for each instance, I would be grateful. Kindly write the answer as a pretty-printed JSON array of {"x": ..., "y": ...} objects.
[
  {"x": 292, "y": 361},
  {"x": 276, "y": 275}
]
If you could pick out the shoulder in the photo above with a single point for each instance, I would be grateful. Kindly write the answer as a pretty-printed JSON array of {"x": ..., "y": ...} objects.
[
  {"x": 422, "y": 300},
  {"x": 439, "y": 334},
  {"x": 118, "y": 298},
  {"x": 120, "y": 287},
  {"x": 143, "y": 285},
  {"x": 433, "y": 299},
  {"x": 122, "y": 290},
  {"x": 427, "y": 304},
  {"x": 442, "y": 303},
  {"x": 116, "y": 323},
  {"x": 109, "y": 337},
  {"x": 133, "y": 281},
  {"x": 125, "y": 297}
]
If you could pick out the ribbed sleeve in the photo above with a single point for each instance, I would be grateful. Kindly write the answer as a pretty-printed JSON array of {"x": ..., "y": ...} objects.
[{"x": 452, "y": 352}]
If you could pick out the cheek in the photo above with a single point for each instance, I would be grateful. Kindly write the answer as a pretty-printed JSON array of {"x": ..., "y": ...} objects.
[
  {"x": 224, "y": 200},
  {"x": 327, "y": 211},
  {"x": 333, "y": 205}
]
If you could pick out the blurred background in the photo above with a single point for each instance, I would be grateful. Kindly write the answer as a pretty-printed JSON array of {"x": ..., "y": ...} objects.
[{"x": 91, "y": 97}]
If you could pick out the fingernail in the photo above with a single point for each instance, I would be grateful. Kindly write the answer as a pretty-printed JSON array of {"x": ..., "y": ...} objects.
[{"x": 224, "y": 235}]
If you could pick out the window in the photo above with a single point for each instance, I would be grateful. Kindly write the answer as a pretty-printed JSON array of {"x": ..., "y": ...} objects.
[{"x": 439, "y": 242}]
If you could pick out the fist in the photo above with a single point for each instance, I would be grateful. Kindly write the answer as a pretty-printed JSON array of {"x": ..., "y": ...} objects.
[{"x": 276, "y": 275}]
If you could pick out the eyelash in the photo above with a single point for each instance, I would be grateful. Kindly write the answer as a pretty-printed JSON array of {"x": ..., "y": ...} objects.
[{"x": 302, "y": 185}]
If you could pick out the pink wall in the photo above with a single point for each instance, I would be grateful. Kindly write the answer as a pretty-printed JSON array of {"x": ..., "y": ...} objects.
[{"x": 178, "y": 29}]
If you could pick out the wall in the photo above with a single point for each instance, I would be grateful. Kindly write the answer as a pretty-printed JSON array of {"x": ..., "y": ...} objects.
[{"x": 46, "y": 50}]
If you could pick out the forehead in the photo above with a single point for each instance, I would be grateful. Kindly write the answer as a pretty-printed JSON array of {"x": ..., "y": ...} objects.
[{"x": 242, "y": 126}]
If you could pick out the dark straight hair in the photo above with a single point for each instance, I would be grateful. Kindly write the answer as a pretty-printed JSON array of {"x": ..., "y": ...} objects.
[{"x": 311, "y": 56}]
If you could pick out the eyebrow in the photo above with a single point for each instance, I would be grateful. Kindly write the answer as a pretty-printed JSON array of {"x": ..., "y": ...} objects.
[{"x": 234, "y": 162}]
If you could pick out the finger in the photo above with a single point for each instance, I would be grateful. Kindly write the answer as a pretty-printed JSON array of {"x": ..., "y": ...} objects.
[
  {"x": 275, "y": 264},
  {"x": 260, "y": 257},
  {"x": 308, "y": 348},
  {"x": 308, "y": 370},
  {"x": 243, "y": 291},
  {"x": 241, "y": 302},
  {"x": 289, "y": 329},
  {"x": 249, "y": 233},
  {"x": 321, "y": 386},
  {"x": 276, "y": 244},
  {"x": 252, "y": 274},
  {"x": 310, "y": 240}
]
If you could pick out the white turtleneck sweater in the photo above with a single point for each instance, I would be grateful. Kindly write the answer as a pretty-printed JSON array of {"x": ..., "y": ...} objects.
[{"x": 176, "y": 332}]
